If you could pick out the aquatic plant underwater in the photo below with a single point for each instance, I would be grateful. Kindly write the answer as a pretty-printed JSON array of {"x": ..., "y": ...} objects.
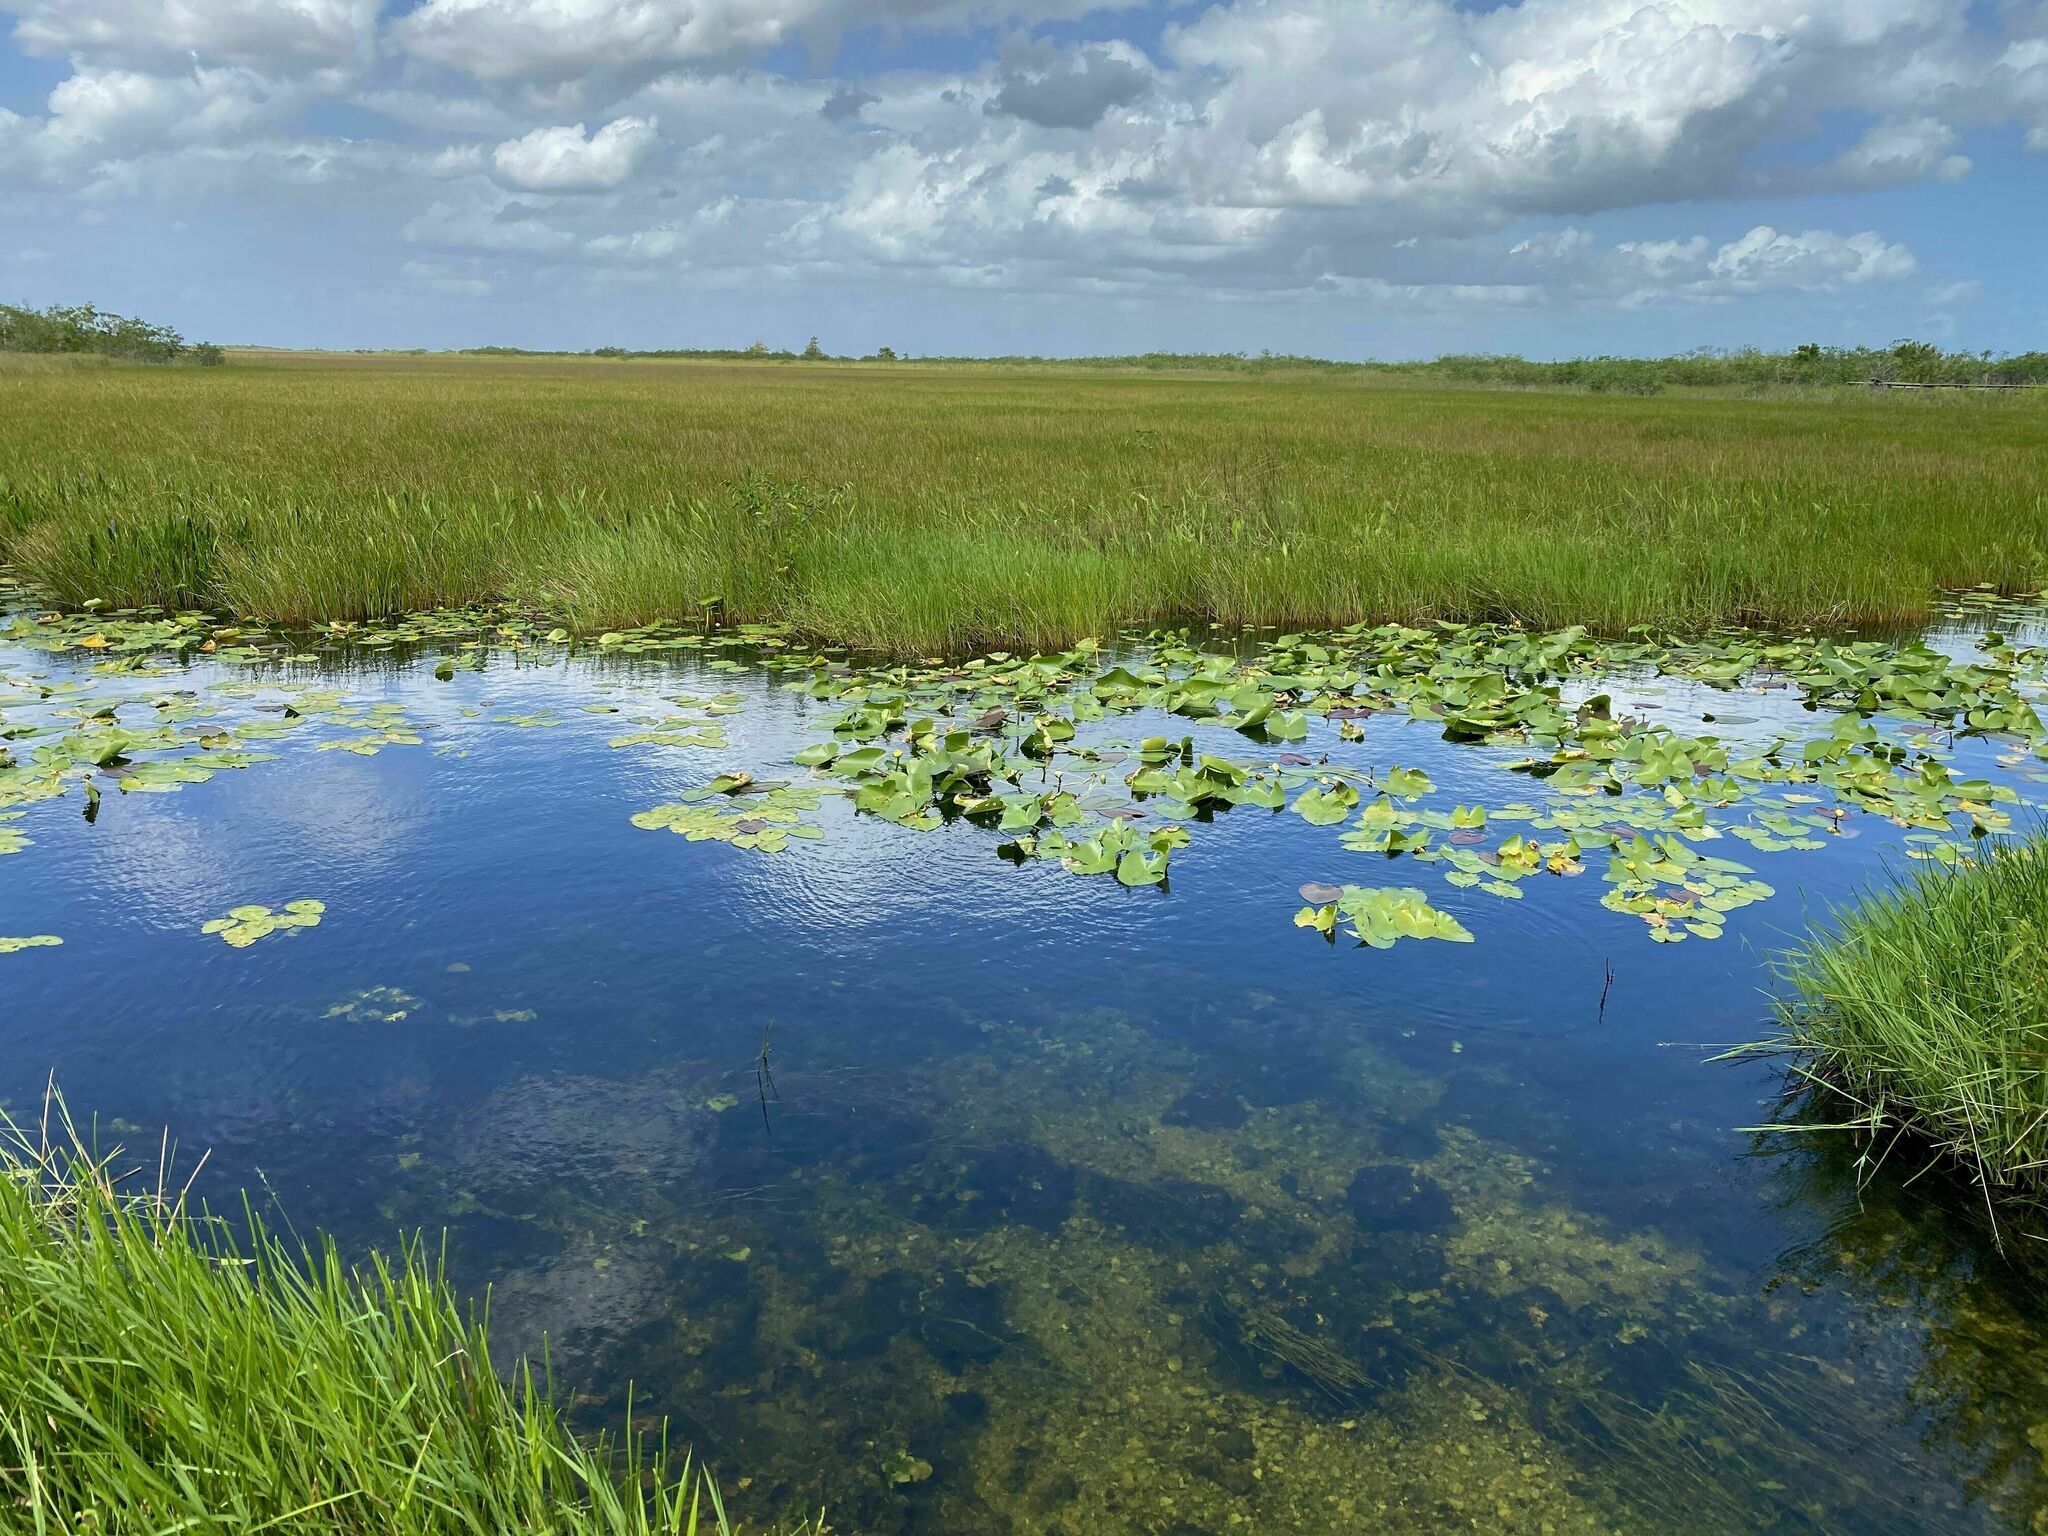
[{"x": 1369, "y": 1298}]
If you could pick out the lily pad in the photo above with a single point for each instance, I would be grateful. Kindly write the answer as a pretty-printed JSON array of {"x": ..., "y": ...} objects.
[{"x": 244, "y": 925}]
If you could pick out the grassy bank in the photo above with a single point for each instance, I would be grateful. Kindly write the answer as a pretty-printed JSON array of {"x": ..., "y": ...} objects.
[
  {"x": 1928, "y": 1011},
  {"x": 157, "y": 1374},
  {"x": 932, "y": 508}
]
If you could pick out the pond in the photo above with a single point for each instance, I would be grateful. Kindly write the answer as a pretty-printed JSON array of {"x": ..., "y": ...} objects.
[{"x": 913, "y": 1175}]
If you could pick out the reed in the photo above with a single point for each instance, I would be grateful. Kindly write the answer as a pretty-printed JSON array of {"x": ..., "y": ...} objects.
[
  {"x": 928, "y": 509},
  {"x": 164, "y": 1370},
  {"x": 1927, "y": 1009}
]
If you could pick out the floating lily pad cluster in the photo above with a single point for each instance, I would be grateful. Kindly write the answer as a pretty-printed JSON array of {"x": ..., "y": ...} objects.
[
  {"x": 1379, "y": 915},
  {"x": 243, "y": 926},
  {"x": 140, "y": 640},
  {"x": 123, "y": 716},
  {"x": 700, "y": 729},
  {"x": 1005, "y": 742},
  {"x": 759, "y": 817},
  {"x": 1023, "y": 746}
]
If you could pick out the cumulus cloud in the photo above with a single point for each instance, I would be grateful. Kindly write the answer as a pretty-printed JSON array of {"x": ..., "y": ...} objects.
[
  {"x": 1896, "y": 150},
  {"x": 1552, "y": 246},
  {"x": 1814, "y": 259},
  {"x": 1068, "y": 88},
  {"x": 565, "y": 40},
  {"x": 572, "y": 42},
  {"x": 1322, "y": 150},
  {"x": 569, "y": 160},
  {"x": 1694, "y": 269},
  {"x": 276, "y": 36}
]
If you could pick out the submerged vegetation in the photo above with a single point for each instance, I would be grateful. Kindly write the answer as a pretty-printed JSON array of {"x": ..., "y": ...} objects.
[
  {"x": 1928, "y": 1012},
  {"x": 1208, "y": 1230},
  {"x": 160, "y": 1372},
  {"x": 940, "y": 510}
]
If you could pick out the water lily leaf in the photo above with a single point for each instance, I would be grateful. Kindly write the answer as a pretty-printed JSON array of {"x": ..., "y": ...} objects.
[
  {"x": 1323, "y": 918},
  {"x": 1381, "y": 915},
  {"x": 1136, "y": 868},
  {"x": 1406, "y": 783},
  {"x": 1326, "y": 804},
  {"x": 244, "y": 925}
]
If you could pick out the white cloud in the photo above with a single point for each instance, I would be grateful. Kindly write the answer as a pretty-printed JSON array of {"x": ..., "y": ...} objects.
[
  {"x": 1324, "y": 150},
  {"x": 456, "y": 160},
  {"x": 1552, "y": 246},
  {"x": 1894, "y": 151},
  {"x": 569, "y": 160},
  {"x": 1815, "y": 259},
  {"x": 564, "y": 40},
  {"x": 275, "y": 36},
  {"x": 574, "y": 42}
]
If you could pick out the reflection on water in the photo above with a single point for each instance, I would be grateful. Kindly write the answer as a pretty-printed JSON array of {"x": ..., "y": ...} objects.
[{"x": 960, "y": 1197}]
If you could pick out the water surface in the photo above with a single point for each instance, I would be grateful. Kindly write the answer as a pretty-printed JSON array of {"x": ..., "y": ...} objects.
[{"x": 958, "y": 1196}]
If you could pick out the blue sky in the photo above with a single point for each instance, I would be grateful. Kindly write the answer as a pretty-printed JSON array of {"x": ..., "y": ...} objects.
[{"x": 1341, "y": 177}]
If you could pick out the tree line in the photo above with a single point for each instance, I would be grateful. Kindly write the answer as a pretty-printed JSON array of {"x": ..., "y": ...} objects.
[
  {"x": 1902, "y": 362},
  {"x": 83, "y": 328}
]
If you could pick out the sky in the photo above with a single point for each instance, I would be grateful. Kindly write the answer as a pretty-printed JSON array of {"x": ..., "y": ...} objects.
[{"x": 1344, "y": 178}]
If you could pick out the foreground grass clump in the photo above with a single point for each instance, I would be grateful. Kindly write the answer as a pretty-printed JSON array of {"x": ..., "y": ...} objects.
[
  {"x": 1929, "y": 1011},
  {"x": 159, "y": 1374},
  {"x": 938, "y": 509}
]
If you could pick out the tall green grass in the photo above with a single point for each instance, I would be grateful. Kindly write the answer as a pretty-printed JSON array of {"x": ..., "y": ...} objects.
[
  {"x": 159, "y": 1373},
  {"x": 930, "y": 509},
  {"x": 1928, "y": 1011}
]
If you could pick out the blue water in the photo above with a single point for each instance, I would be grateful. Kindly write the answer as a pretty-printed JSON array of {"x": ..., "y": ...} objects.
[{"x": 1054, "y": 1206}]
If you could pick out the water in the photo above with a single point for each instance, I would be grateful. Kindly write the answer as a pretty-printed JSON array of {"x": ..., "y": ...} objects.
[{"x": 957, "y": 1196}]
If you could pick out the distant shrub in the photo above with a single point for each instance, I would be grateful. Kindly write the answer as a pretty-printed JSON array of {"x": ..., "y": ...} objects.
[
  {"x": 81, "y": 328},
  {"x": 1748, "y": 369}
]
